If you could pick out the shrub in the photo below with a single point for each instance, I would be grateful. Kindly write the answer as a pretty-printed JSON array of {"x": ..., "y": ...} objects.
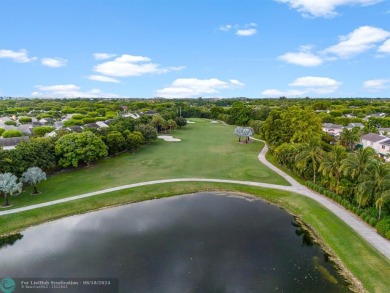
[
  {"x": 387, "y": 235},
  {"x": 372, "y": 221},
  {"x": 88, "y": 120},
  {"x": 1, "y": 131},
  {"x": 24, "y": 120},
  {"x": 42, "y": 130},
  {"x": 78, "y": 116},
  {"x": 10, "y": 122},
  {"x": 12, "y": 133},
  {"x": 383, "y": 226}
]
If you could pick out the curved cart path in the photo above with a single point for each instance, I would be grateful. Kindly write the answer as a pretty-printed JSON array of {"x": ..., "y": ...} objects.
[{"x": 365, "y": 231}]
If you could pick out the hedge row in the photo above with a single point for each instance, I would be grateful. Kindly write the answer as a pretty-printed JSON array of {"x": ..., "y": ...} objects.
[{"x": 369, "y": 214}]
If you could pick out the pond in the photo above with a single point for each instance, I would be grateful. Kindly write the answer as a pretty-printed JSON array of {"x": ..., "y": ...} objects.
[{"x": 204, "y": 242}]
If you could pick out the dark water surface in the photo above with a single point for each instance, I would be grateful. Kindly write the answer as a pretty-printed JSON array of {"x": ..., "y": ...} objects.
[{"x": 205, "y": 242}]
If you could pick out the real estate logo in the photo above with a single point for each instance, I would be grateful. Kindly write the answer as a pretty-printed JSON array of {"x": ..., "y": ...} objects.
[{"x": 7, "y": 285}]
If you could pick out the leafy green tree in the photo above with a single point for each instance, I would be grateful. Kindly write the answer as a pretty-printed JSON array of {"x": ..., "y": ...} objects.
[
  {"x": 157, "y": 122},
  {"x": 9, "y": 186},
  {"x": 115, "y": 142},
  {"x": 147, "y": 131},
  {"x": 33, "y": 176},
  {"x": 12, "y": 133},
  {"x": 42, "y": 130},
  {"x": 134, "y": 139},
  {"x": 180, "y": 121},
  {"x": 38, "y": 152},
  {"x": 310, "y": 156},
  {"x": 74, "y": 148}
]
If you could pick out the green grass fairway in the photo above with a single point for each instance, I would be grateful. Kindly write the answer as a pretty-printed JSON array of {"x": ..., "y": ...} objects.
[{"x": 206, "y": 151}]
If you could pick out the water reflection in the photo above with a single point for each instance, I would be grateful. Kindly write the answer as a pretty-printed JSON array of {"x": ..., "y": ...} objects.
[
  {"x": 197, "y": 243},
  {"x": 10, "y": 240}
]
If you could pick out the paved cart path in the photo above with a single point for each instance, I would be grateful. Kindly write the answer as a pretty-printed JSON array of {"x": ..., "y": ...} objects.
[{"x": 364, "y": 230}]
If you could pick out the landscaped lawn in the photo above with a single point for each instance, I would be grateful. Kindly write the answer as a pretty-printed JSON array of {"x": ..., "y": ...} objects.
[{"x": 206, "y": 151}]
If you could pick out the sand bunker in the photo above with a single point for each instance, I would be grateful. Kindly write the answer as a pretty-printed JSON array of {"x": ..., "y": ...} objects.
[
  {"x": 214, "y": 121},
  {"x": 168, "y": 138},
  {"x": 188, "y": 121}
]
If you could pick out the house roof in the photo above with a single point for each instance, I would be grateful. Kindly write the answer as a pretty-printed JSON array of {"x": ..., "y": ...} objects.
[
  {"x": 76, "y": 128},
  {"x": 331, "y": 125},
  {"x": 373, "y": 137},
  {"x": 12, "y": 141},
  {"x": 387, "y": 142},
  {"x": 351, "y": 125},
  {"x": 92, "y": 125}
]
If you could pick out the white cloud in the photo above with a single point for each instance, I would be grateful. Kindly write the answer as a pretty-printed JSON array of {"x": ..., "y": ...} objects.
[
  {"x": 306, "y": 59},
  {"x": 360, "y": 40},
  {"x": 317, "y": 85},
  {"x": 54, "y": 62},
  {"x": 377, "y": 84},
  {"x": 225, "y": 28},
  {"x": 103, "y": 78},
  {"x": 385, "y": 47},
  {"x": 17, "y": 56},
  {"x": 129, "y": 65},
  {"x": 68, "y": 91},
  {"x": 103, "y": 56},
  {"x": 193, "y": 87},
  {"x": 279, "y": 93},
  {"x": 247, "y": 32},
  {"x": 323, "y": 8}
]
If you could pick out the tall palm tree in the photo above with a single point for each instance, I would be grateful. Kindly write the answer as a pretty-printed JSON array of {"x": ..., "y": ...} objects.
[
  {"x": 310, "y": 156},
  {"x": 356, "y": 163},
  {"x": 375, "y": 183},
  {"x": 331, "y": 165},
  {"x": 349, "y": 138}
]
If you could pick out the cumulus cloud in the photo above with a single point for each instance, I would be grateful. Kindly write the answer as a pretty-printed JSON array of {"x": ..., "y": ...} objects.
[
  {"x": 129, "y": 65},
  {"x": 303, "y": 58},
  {"x": 103, "y": 78},
  {"x": 323, "y": 8},
  {"x": 357, "y": 42},
  {"x": 193, "y": 87},
  {"x": 245, "y": 30},
  {"x": 103, "y": 56},
  {"x": 17, "y": 56},
  {"x": 279, "y": 93},
  {"x": 54, "y": 62},
  {"x": 377, "y": 84},
  {"x": 317, "y": 85},
  {"x": 68, "y": 91},
  {"x": 309, "y": 85},
  {"x": 360, "y": 40},
  {"x": 385, "y": 47}
]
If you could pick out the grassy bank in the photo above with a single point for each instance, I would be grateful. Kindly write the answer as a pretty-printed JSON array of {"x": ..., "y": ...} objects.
[
  {"x": 206, "y": 151},
  {"x": 365, "y": 262}
]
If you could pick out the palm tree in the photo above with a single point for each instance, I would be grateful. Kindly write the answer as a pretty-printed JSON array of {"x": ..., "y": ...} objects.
[
  {"x": 331, "y": 165},
  {"x": 355, "y": 164},
  {"x": 349, "y": 137},
  {"x": 172, "y": 124},
  {"x": 375, "y": 183},
  {"x": 383, "y": 199},
  {"x": 311, "y": 153}
]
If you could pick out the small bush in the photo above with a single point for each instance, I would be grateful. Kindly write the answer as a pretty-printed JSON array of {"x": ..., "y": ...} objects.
[
  {"x": 42, "y": 130},
  {"x": 387, "y": 235},
  {"x": 24, "y": 120},
  {"x": 372, "y": 221},
  {"x": 383, "y": 226},
  {"x": 10, "y": 122},
  {"x": 12, "y": 133},
  {"x": 1, "y": 131}
]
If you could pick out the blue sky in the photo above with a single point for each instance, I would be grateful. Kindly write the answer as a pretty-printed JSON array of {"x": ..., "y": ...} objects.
[{"x": 195, "y": 48}]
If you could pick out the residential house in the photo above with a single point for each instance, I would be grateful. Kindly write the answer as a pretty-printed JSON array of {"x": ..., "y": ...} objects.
[
  {"x": 384, "y": 131},
  {"x": 380, "y": 143},
  {"x": 332, "y": 129},
  {"x": 353, "y": 125}
]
